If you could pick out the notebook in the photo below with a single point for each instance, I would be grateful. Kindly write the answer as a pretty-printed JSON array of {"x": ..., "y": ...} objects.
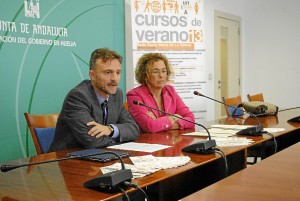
[{"x": 102, "y": 157}]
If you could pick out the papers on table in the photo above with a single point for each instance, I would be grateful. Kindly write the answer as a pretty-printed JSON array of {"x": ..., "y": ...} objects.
[
  {"x": 232, "y": 141},
  {"x": 214, "y": 132},
  {"x": 273, "y": 130},
  {"x": 135, "y": 146},
  {"x": 145, "y": 165},
  {"x": 220, "y": 130},
  {"x": 236, "y": 128},
  {"x": 223, "y": 134},
  {"x": 230, "y": 127},
  {"x": 159, "y": 163}
]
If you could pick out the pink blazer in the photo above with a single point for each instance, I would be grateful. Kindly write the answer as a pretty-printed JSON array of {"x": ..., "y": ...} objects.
[{"x": 173, "y": 104}]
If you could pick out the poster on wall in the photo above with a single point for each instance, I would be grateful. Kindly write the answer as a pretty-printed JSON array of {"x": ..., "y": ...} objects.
[
  {"x": 45, "y": 47},
  {"x": 174, "y": 28}
]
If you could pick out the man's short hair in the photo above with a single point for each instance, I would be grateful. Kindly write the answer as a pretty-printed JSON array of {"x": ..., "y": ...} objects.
[{"x": 105, "y": 54}]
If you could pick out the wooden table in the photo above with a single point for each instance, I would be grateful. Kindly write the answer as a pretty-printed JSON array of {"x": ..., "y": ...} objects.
[
  {"x": 275, "y": 178},
  {"x": 286, "y": 138},
  {"x": 64, "y": 180}
]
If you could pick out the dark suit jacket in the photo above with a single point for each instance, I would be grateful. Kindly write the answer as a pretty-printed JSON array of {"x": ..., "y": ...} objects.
[{"x": 82, "y": 106}]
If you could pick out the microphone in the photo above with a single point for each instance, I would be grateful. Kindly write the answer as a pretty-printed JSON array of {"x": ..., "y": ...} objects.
[
  {"x": 251, "y": 131},
  {"x": 203, "y": 147},
  {"x": 294, "y": 119},
  {"x": 107, "y": 182},
  {"x": 6, "y": 168}
]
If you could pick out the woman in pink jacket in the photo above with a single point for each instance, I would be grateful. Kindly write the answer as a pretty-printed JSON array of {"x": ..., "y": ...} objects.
[{"x": 153, "y": 72}]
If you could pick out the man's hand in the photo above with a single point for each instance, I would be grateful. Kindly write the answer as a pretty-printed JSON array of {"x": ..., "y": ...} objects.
[{"x": 98, "y": 130}]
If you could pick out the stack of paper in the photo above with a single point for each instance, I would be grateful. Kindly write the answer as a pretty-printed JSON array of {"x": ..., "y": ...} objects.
[
  {"x": 145, "y": 165},
  {"x": 220, "y": 130},
  {"x": 232, "y": 141},
  {"x": 159, "y": 162},
  {"x": 136, "y": 146}
]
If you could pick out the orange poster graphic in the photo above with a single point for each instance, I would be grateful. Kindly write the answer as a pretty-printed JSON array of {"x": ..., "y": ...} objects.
[{"x": 176, "y": 29}]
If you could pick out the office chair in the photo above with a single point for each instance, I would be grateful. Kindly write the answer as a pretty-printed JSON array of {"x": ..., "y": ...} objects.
[
  {"x": 256, "y": 97},
  {"x": 256, "y": 151},
  {"x": 235, "y": 102},
  {"x": 42, "y": 129}
]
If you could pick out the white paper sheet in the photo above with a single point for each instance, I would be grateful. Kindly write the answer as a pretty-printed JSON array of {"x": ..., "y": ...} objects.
[{"x": 143, "y": 147}]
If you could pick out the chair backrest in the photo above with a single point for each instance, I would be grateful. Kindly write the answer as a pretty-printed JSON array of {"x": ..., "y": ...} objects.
[
  {"x": 235, "y": 102},
  {"x": 42, "y": 129},
  {"x": 255, "y": 97},
  {"x": 125, "y": 105}
]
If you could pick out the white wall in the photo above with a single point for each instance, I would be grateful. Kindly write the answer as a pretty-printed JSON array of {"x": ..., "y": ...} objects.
[{"x": 270, "y": 48}]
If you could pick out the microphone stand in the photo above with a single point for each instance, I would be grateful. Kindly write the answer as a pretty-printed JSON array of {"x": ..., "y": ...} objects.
[
  {"x": 203, "y": 147},
  {"x": 251, "y": 131},
  {"x": 6, "y": 168},
  {"x": 294, "y": 119},
  {"x": 109, "y": 182}
]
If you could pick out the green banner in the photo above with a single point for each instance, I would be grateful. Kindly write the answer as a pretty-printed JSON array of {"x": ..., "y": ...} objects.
[{"x": 45, "y": 46}]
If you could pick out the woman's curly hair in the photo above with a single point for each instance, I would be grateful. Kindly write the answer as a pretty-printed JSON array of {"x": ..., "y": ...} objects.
[{"x": 142, "y": 67}]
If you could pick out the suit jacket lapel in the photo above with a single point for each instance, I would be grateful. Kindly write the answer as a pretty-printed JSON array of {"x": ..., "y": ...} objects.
[
  {"x": 166, "y": 99},
  {"x": 151, "y": 102}
]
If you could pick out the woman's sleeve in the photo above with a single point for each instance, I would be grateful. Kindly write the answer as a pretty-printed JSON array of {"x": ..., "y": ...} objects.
[{"x": 138, "y": 113}]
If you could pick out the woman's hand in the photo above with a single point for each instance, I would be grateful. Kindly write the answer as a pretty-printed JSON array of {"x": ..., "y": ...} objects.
[
  {"x": 173, "y": 119},
  {"x": 151, "y": 115}
]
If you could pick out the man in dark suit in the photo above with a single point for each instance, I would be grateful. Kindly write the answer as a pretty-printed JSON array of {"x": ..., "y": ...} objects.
[{"x": 87, "y": 123}]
